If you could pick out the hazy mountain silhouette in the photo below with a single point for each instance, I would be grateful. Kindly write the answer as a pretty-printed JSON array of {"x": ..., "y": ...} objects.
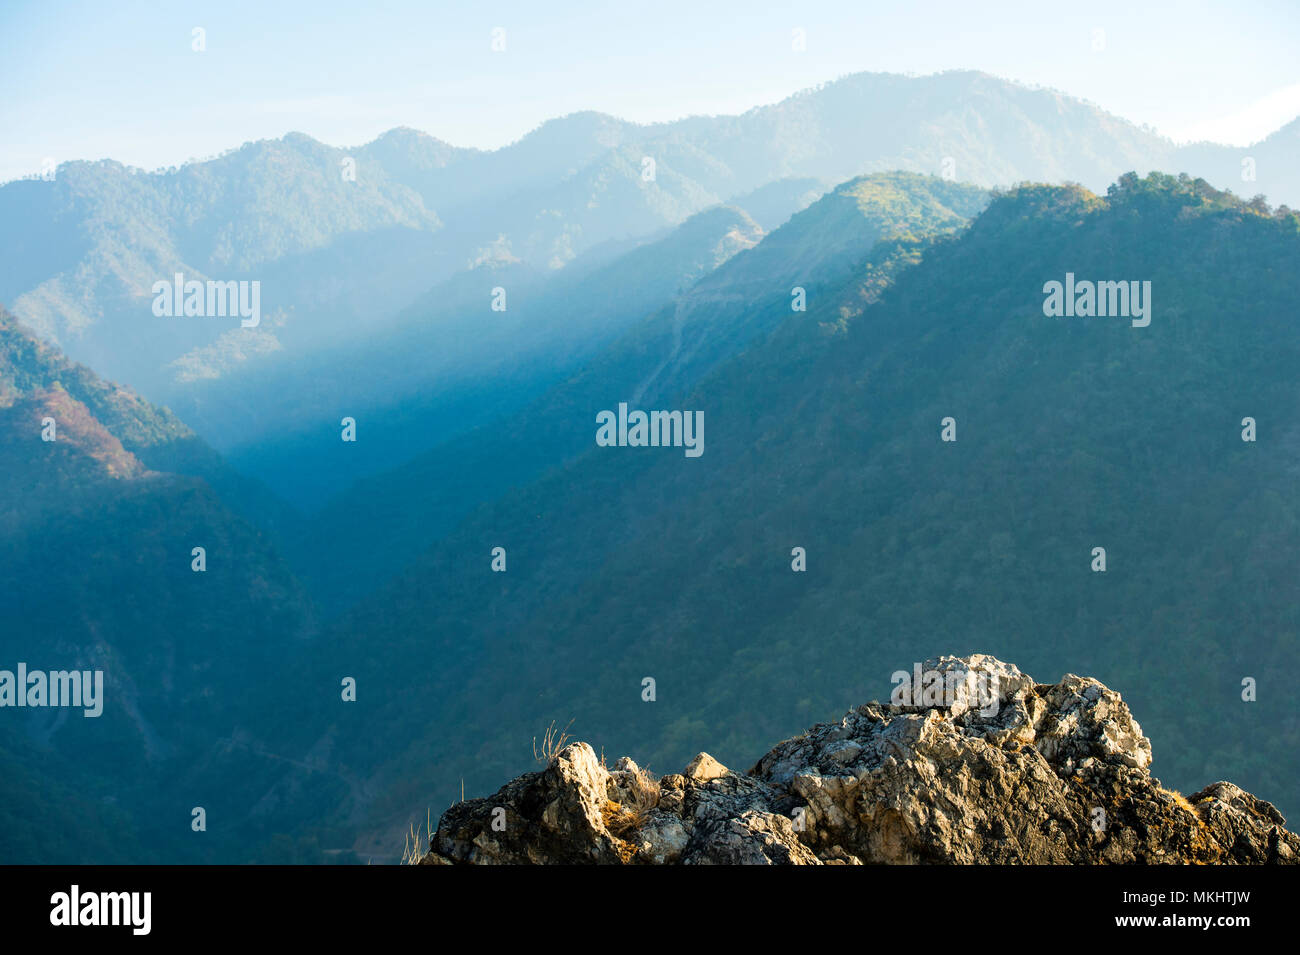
[{"x": 334, "y": 255}]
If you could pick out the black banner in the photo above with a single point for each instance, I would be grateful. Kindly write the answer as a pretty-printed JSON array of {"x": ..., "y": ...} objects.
[{"x": 368, "y": 902}]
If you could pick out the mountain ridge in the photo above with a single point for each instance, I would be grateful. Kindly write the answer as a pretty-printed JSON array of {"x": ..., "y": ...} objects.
[
  {"x": 626, "y": 564},
  {"x": 115, "y": 562},
  {"x": 712, "y": 317},
  {"x": 417, "y": 210}
]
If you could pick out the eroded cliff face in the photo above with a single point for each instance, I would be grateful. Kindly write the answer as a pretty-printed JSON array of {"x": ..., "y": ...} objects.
[{"x": 983, "y": 766}]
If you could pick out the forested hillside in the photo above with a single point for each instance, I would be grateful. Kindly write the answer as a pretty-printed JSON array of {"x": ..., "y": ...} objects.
[
  {"x": 99, "y": 569},
  {"x": 825, "y": 434},
  {"x": 374, "y": 529}
]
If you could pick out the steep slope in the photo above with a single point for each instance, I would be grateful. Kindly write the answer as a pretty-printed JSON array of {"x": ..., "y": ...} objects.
[
  {"x": 825, "y": 434},
  {"x": 994, "y": 770},
  {"x": 450, "y": 362},
  {"x": 156, "y": 437},
  {"x": 96, "y": 555},
  {"x": 370, "y": 532}
]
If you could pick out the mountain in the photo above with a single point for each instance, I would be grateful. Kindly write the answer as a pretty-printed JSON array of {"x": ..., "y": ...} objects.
[
  {"x": 372, "y": 530},
  {"x": 97, "y": 555},
  {"x": 86, "y": 247},
  {"x": 827, "y": 535},
  {"x": 824, "y": 432},
  {"x": 450, "y": 362},
  {"x": 1266, "y": 168},
  {"x": 339, "y": 238},
  {"x": 993, "y": 769}
]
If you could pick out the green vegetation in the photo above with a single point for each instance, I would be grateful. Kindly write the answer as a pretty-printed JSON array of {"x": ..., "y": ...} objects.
[{"x": 824, "y": 433}]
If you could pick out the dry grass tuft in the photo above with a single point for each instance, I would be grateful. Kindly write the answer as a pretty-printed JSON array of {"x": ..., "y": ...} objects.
[
  {"x": 622, "y": 818},
  {"x": 415, "y": 847},
  {"x": 552, "y": 743},
  {"x": 1185, "y": 804}
]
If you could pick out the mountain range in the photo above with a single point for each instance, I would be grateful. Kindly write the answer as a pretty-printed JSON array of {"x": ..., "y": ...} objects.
[
  {"x": 825, "y": 434},
  {"x": 342, "y": 239},
  {"x": 904, "y": 455}
]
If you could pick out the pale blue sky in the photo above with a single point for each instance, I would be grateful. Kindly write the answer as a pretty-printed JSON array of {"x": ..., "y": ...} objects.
[{"x": 85, "y": 80}]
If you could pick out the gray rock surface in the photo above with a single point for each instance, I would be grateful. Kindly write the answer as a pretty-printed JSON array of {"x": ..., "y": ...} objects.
[{"x": 1000, "y": 770}]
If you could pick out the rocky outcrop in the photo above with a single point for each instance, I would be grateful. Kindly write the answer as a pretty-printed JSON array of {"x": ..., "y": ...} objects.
[{"x": 973, "y": 762}]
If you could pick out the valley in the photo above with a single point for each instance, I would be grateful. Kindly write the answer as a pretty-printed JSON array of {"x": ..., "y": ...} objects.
[{"x": 896, "y": 387}]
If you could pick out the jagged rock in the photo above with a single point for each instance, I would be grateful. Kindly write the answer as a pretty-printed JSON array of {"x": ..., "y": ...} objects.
[
  {"x": 556, "y": 815},
  {"x": 703, "y": 768},
  {"x": 976, "y": 764}
]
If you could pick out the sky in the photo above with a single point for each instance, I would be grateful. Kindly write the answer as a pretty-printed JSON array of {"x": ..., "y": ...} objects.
[{"x": 87, "y": 80}]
